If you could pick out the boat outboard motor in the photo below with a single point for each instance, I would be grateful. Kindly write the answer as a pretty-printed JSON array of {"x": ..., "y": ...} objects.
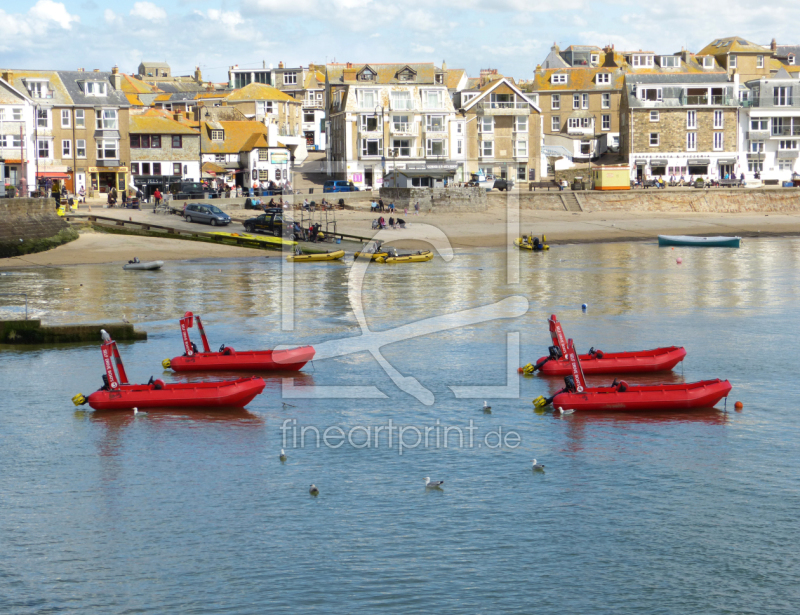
[
  {"x": 555, "y": 353},
  {"x": 105, "y": 386},
  {"x": 569, "y": 382},
  {"x": 622, "y": 386},
  {"x": 158, "y": 384},
  {"x": 222, "y": 348},
  {"x": 598, "y": 354}
]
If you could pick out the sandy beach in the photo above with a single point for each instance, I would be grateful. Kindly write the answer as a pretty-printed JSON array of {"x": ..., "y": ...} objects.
[{"x": 463, "y": 230}]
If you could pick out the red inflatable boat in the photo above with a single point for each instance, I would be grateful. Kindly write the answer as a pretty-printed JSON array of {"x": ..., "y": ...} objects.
[
  {"x": 229, "y": 359},
  {"x": 599, "y": 362},
  {"x": 117, "y": 394},
  {"x": 620, "y": 396}
]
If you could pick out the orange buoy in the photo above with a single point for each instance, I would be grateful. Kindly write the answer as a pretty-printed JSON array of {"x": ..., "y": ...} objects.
[
  {"x": 520, "y": 370},
  {"x": 738, "y": 405}
]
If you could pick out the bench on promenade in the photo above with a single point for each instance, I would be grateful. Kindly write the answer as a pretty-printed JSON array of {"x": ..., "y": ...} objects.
[
  {"x": 532, "y": 186},
  {"x": 730, "y": 183}
]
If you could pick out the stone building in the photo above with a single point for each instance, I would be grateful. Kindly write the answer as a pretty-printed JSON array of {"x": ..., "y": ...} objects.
[
  {"x": 738, "y": 56},
  {"x": 80, "y": 129},
  {"x": 164, "y": 149},
  {"x": 678, "y": 117},
  {"x": 770, "y": 127},
  {"x": 392, "y": 117},
  {"x": 16, "y": 138},
  {"x": 503, "y": 132},
  {"x": 281, "y": 112},
  {"x": 579, "y": 90}
]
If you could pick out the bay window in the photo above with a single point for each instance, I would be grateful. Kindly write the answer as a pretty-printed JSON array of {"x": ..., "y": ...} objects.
[
  {"x": 107, "y": 149},
  {"x": 106, "y": 119},
  {"x": 436, "y": 147},
  {"x": 371, "y": 147}
]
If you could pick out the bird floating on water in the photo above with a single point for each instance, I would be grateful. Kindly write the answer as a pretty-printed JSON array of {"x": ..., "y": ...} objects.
[
  {"x": 486, "y": 407},
  {"x": 137, "y": 412},
  {"x": 313, "y": 490},
  {"x": 433, "y": 484},
  {"x": 537, "y": 467},
  {"x": 562, "y": 411},
  {"x": 282, "y": 456}
]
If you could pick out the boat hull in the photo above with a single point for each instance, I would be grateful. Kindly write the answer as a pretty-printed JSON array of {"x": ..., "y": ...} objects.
[
  {"x": 702, "y": 394},
  {"x": 420, "y": 257},
  {"x": 276, "y": 241},
  {"x": 313, "y": 258},
  {"x": 656, "y": 360},
  {"x": 252, "y": 360},
  {"x": 372, "y": 255},
  {"x": 143, "y": 266},
  {"x": 524, "y": 245},
  {"x": 229, "y": 394},
  {"x": 699, "y": 242}
]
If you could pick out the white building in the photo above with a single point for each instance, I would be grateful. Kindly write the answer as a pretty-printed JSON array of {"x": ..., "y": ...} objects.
[
  {"x": 770, "y": 127},
  {"x": 17, "y": 138},
  {"x": 386, "y": 117}
]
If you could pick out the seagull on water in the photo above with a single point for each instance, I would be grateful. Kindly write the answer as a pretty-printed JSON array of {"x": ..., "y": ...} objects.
[
  {"x": 283, "y": 456},
  {"x": 562, "y": 411},
  {"x": 537, "y": 467},
  {"x": 486, "y": 407},
  {"x": 137, "y": 412},
  {"x": 313, "y": 490},
  {"x": 433, "y": 484}
]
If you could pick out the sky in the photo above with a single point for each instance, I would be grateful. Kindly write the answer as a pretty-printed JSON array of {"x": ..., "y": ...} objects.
[{"x": 512, "y": 36}]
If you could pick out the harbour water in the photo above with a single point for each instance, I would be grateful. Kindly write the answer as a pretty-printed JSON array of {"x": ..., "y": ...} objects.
[{"x": 192, "y": 512}]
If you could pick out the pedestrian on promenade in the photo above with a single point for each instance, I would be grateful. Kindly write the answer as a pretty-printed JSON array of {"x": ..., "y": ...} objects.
[
  {"x": 416, "y": 208},
  {"x": 82, "y": 195}
]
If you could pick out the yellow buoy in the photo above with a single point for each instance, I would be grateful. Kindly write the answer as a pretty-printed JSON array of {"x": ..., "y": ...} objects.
[{"x": 166, "y": 363}]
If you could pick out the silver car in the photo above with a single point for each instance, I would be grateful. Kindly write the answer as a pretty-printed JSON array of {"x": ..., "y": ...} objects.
[{"x": 207, "y": 214}]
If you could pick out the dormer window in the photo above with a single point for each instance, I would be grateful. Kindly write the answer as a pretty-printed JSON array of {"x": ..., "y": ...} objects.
[
  {"x": 217, "y": 135},
  {"x": 39, "y": 88},
  {"x": 439, "y": 78},
  {"x": 406, "y": 75},
  {"x": 366, "y": 75},
  {"x": 791, "y": 59},
  {"x": 289, "y": 78},
  {"x": 708, "y": 62},
  {"x": 670, "y": 62},
  {"x": 94, "y": 88},
  {"x": 603, "y": 78},
  {"x": 642, "y": 61},
  {"x": 559, "y": 78},
  {"x": 595, "y": 58}
]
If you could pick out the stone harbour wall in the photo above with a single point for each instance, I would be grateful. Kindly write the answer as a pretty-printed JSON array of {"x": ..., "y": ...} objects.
[
  {"x": 713, "y": 200},
  {"x": 436, "y": 199},
  {"x": 31, "y": 225}
]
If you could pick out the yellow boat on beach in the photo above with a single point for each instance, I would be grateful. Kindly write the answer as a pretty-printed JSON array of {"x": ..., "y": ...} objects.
[
  {"x": 315, "y": 258},
  {"x": 418, "y": 257},
  {"x": 373, "y": 255},
  {"x": 526, "y": 243},
  {"x": 275, "y": 241}
]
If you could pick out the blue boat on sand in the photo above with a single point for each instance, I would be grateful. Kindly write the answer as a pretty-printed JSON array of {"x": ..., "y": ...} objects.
[{"x": 701, "y": 242}]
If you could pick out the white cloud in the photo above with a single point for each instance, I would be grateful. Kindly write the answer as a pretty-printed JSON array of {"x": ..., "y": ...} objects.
[
  {"x": 55, "y": 12},
  {"x": 422, "y": 49},
  {"x": 149, "y": 11},
  {"x": 375, "y": 35},
  {"x": 226, "y": 18},
  {"x": 35, "y": 29}
]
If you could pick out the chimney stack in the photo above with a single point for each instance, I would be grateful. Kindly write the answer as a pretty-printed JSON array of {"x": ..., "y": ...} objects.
[
  {"x": 116, "y": 78},
  {"x": 773, "y": 45},
  {"x": 280, "y": 64}
]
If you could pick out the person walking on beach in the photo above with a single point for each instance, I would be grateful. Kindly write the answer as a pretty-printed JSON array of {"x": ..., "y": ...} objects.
[{"x": 416, "y": 208}]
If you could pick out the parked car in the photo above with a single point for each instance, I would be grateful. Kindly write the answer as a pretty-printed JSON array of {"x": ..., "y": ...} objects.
[
  {"x": 269, "y": 223},
  {"x": 207, "y": 214},
  {"x": 339, "y": 185},
  {"x": 503, "y": 184}
]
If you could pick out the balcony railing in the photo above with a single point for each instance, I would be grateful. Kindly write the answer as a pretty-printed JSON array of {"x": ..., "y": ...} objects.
[
  {"x": 309, "y": 104},
  {"x": 503, "y": 108},
  {"x": 771, "y": 102},
  {"x": 436, "y": 129},
  {"x": 786, "y": 131},
  {"x": 404, "y": 128},
  {"x": 705, "y": 99},
  {"x": 758, "y": 135},
  {"x": 788, "y": 153},
  {"x": 580, "y": 130}
]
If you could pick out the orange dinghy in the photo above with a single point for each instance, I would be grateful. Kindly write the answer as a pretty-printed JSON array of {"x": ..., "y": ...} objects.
[
  {"x": 599, "y": 362},
  {"x": 118, "y": 394},
  {"x": 229, "y": 359}
]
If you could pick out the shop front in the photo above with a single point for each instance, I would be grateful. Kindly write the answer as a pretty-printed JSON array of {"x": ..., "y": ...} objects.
[
  {"x": 55, "y": 175},
  {"x": 102, "y": 179},
  {"x": 148, "y": 184},
  {"x": 698, "y": 166},
  {"x": 423, "y": 175}
]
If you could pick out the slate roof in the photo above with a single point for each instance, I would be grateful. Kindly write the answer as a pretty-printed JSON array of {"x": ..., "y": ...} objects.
[
  {"x": 61, "y": 96},
  {"x": 386, "y": 73},
  {"x": 732, "y": 44},
  {"x": 154, "y": 122},
  {"x": 579, "y": 78},
  {"x": 259, "y": 91},
  {"x": 180, "y": 86},
  {"x": 72, "y": 80},
  {"x": 155, "y": 64},
  {"x": 783, "y": 51},
  {"x": 237, "y": 135}
]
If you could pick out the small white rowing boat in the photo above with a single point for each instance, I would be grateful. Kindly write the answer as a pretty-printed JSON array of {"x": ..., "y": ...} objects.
[{"x": 143, "y": 266}]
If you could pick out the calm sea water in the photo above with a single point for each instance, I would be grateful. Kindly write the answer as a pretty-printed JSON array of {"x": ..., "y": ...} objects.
[{"x": 193, "y": 512}]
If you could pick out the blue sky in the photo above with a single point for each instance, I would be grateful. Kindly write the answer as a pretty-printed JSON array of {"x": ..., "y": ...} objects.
[{"x": 510, "y": 35}]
